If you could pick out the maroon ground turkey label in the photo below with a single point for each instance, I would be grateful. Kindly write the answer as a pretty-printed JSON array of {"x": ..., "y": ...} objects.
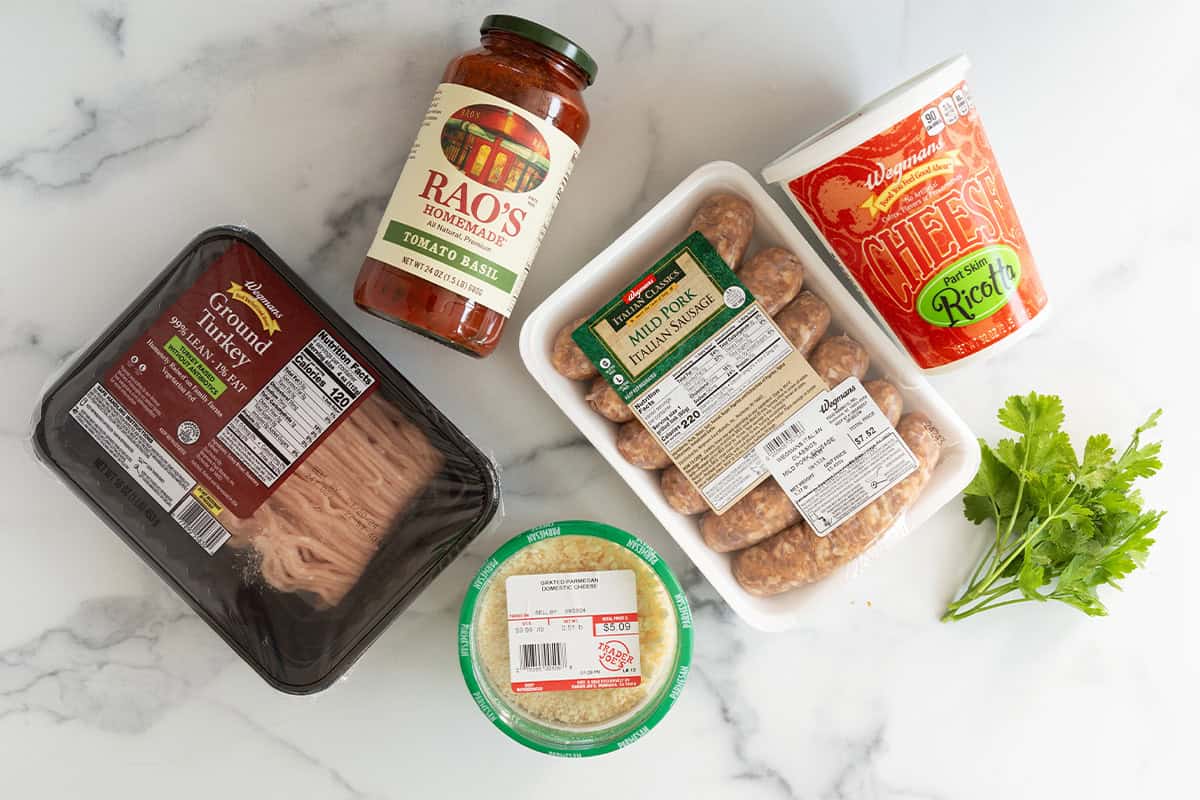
[{"x": 225, "y": 393}]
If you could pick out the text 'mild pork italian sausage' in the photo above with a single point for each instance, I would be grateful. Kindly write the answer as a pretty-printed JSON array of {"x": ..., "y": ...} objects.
[
  {"x": 727, "y": 221},
  {"x": 773, "y": 276},
  {"x": 796, "y": 556}
]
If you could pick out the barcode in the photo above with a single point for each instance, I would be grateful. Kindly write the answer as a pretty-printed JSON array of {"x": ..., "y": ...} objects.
[
  {"x": 201, "y": 525},
  {"x": 543, "y": 655},
  {"x": 783, "y": 438}
]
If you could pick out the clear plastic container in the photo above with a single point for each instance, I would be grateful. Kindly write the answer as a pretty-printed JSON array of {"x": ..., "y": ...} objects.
[{"x": 575, "y": 722}]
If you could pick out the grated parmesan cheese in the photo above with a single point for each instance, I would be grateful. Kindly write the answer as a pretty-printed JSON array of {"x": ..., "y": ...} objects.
[{"x": 589, "y": 707}]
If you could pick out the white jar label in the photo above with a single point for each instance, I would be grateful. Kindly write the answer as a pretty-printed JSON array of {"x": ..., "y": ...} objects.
[{"x": 475, "y": 196}]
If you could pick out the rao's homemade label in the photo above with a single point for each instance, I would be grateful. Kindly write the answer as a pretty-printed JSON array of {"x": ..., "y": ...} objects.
[
  {"x": 920, "y": 217},
  {"x": 224, "y": 395},
  {"x": 475, "y": 197},
  {"x": 703, "y": 367},
  {"x": 573, "y": 630},
  {"x": 835, "y": 455}
]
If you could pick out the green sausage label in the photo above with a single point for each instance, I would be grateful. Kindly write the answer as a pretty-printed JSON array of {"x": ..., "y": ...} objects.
[{"x": 702, "y": 366}]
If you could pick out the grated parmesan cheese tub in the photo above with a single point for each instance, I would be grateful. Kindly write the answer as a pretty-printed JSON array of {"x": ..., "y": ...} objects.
[{"x": 575, "y": 638}]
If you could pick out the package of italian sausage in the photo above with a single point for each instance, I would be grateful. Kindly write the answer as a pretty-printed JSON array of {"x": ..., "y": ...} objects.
[
  {"x": 265, "y": 460},
  {"x": 720, "y": 390},
  {"x": 729, "y": 377}
]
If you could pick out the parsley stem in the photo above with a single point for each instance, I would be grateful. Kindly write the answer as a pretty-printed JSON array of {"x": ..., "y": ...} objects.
[
  {"x": 983, "y": 606},
  {"x": 995, "y": 591},
  {"x": 1003, "y": 534},
  {"x": 1066, "y": 523},
  {"x": 983, "y": 561},
  {"x": 1017, "y": 505},
  {"x": 1028, "y": 537}
]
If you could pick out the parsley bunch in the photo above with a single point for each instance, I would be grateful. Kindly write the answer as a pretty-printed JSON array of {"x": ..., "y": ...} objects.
[{"x": 1064, "y": 525}]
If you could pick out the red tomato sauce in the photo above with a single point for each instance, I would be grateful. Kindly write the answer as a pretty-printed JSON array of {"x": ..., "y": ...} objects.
[{"x": 539, "y": 80}]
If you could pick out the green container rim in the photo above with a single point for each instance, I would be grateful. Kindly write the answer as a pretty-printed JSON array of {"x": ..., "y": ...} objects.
[{"x": 673, "y": 686}]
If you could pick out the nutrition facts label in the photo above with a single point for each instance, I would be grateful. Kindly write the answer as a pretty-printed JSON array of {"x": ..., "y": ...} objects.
[
  {"x": 702, "y": 366},
  {"x": 712, "y": 377},
  {"x": 835, "y": 455},
  {"x": 573, "y": 630},
  {"x": 295, "y": 408}
]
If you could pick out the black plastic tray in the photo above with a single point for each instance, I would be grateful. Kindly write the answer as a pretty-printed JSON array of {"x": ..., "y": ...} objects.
[{"x": 294, "y": 645}]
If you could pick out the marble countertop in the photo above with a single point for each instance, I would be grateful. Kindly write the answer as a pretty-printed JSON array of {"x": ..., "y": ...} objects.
[{"x": 130, "y": 125}]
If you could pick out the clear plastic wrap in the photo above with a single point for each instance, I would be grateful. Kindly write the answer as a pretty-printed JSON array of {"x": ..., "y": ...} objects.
[{"x": 264, "y": 460}]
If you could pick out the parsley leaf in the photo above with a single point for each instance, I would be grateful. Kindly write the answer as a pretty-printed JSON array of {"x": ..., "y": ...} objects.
[
  {"x": 1064, "y": 525},
  {"x": 1032, "y": 414}
]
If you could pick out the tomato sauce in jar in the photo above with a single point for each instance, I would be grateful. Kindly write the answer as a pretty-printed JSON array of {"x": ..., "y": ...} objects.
[{"x": 479, "y": 187}]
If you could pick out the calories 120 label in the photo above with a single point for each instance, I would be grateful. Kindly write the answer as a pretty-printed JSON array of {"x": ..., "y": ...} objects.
[
  {"x": 297, "y": 406},
  {"x": 573, "y": 630}
]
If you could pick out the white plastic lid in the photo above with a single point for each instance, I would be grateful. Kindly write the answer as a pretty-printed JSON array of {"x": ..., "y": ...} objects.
[{"x": 853, "y": 129}]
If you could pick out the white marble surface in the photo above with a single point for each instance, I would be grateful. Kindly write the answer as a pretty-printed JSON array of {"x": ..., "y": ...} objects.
[{"x": 129, "y": 125}]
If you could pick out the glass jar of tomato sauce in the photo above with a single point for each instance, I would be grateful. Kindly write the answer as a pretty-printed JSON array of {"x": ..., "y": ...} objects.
[{"x": 479, "y": 187}]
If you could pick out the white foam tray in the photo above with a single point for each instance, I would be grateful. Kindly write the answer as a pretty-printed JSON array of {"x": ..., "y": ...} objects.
[{"x": 650, "y": 237}]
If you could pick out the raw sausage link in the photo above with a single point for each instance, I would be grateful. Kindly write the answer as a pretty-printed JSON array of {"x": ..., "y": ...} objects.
[
  {"x": 566, "y": 356},
  {"x": 773, "y": 276},
  {"x": 839, "y": 357},
  {"x": 804, "y": 321},
  {"x": 765, "y": 510},
  {"x": 888, "y": 398},
  {"x": 605, "y": 401},
  {"x": 639, "y": 447},
  {"x": 797, "y": 556},
  {"x": 680, "y": 494},
  {"x": 727, "y": 221}
]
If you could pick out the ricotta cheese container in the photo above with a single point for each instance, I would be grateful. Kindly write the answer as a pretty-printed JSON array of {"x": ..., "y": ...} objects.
[{"x": 907, "y": 194}]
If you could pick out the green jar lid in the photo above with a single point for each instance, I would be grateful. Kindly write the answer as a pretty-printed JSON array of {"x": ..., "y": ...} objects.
[{"x": 545, "y": 37}]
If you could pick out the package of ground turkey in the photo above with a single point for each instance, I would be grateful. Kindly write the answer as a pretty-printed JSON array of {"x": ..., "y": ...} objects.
[{"x": 269, "y": 464}]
